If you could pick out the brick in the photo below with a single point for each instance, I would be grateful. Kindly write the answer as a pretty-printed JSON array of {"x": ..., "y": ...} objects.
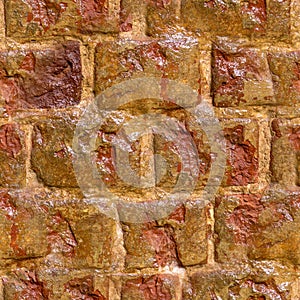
[
  {"x": 127, "y": 10},
  {"x": 161, "y": 286},
  {"x": 41, "y": 17},
  {"x": 34, "y": 283},
  {"x": 82, "y": 288},
  {"x": 239, "y": 18},
  {"x": 161, "y": 17},
  {"x": 178, "y": 240},
  {"x": 285, "y": 152},
  {"x": 41, "y": 78},
  {"x": 12, "y": 156},
  {"x": 257, "y": 227},
  {"x": 241, "y": 77},
  {"x": 241, "y": 282},
  {"x": 51, "y": 156},
  {"x": 285, "y": 72},
  {"x": 134, "y": 59},
  {"x": 242, "y": 142},
  {"x": 187, "y": 141},
  {"x": 242, "y": 153},
  {"x": 148, "y": 245},
  {"x": 79, "y": 236},
  {"x": 139, "y": 153},
  {"x": 23, "y": 228},
  {"x": 24, "y": 284}
]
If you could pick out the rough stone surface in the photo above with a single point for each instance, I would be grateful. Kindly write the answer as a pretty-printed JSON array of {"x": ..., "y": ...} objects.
[
  {"x": 23, "y": 227},
  {"x": 150, "y": 287},
  {"x": 51, "y": 156},
  {"x": 178, "y": 240},
  {"x": 43, "y": 78},
  {"x": 12, "y": 156},
  {"x": 176, "y": 60},
  {"x": 285, "y": 151},
  {"x": 237, "y": 18},
  {"x": 242, "y": 151},
  {"x": 258, "y": 227},
  {"x": 240, "y": 282},
  {"x": 42, "y": 17},
  {"x": 170, "y": 220},
  {"x": 284, "y": 67},
  {"x": 240, "y": 77}
]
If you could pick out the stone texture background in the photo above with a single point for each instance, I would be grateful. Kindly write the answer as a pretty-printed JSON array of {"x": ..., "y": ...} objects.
[{"x": 243, "y": 57}]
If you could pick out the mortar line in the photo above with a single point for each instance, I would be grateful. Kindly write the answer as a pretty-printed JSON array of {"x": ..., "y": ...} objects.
[{"x": 211, "y": 239}]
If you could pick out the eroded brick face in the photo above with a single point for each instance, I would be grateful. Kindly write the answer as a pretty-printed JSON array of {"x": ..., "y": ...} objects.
[
  {"x": 162, "y": 59},
  {"x": 232, "y": 18},
  {"x": 183, "y": 181},
  {"x": 240, "y": 78},
  {"x": 47, "y": 78},
  {"x": 44, "y": 17},
  {"x": 12, "y": 156},
  {"x": 150, "y": 287},
  {"x": 51, "y": 157},
  {"x": 257, "y": 227},
  {"x": 285, "y": 151}
]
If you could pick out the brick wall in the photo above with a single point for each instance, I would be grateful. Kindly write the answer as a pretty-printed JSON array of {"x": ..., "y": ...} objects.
[{"x": 242, "y": 58}]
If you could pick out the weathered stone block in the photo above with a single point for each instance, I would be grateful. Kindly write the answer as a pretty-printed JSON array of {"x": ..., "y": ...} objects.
[
  {"x": 41, "y": 78},
  {"x": 242, "y": 142},
  {"x": 285, "y": 71},
  {"x": 238, "y": 18},
  {"x": 258, "y": 227},
  {"x": 23, "y": 228},
  {"x": 179, "y": 240},
  {"x": 12, "y": 156},
  {"x": 82, "y": 288},
  {"x": 51, "y": 156},
  {"x": 42, "y": 17},
  {"x": 24, "y": 284},
  {"x": 285, "y": 151},
  {"x": 162, "y": 17},
  {"x": 123, "y": 60},
  {"x": 162, "y": 286},
  {"x": 240, "y": 77},
  {"x": 80, "y": 236},
  {"x": 264, "y": 281}
]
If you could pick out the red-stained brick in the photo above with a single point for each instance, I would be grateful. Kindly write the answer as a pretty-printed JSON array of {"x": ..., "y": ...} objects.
[
  {"x": 239, "y": 18},
  {"x": 150, "y": 288},
  {"x": 242, "y": 156},
  {"x": 285, "y": 151},
  {"x": 173, "y": 59},
  {"x": 12, "y": 156},
  {"x": 258, "y": 227},
  {"x": 167, "y": 241},
  {"x": 25, "y": 284},
  {"x": 83, "y": 289},
  {"x": 43, "y": 17},
  {"x": 241, "y": 77},
  {"x": 285, "y": 71},
  {"x": 41, "y": 78}
]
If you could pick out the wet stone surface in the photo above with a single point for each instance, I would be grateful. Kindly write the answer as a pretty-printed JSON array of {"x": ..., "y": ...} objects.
[
  {"x": 178, "y": 240},
  {"x": 12, "y": 156},
  {"x": 51, "y": 156},
  {"x": 41, "y": 17},
  {"x": 242, "y": 282},
  {"x": 241, "y": 77},
  {"x": 41, "y": 78},
  {"x": 237, "y": 18},
  {"x": 176, "y": 60},
  {"x": 257, "y": 227}
]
